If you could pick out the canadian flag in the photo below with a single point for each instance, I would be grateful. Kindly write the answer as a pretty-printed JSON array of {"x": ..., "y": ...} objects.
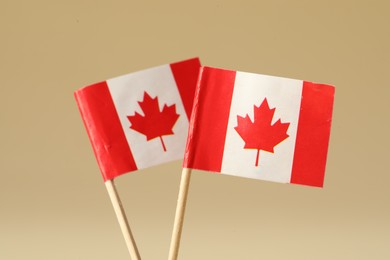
[
  {"x": 140, "y": 119},
  {"x": 260, "y": 127}
]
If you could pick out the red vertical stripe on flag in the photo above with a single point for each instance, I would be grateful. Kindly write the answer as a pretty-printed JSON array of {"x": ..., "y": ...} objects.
[
  {"x": 208, "y": 126},
  {"x": 186, "y": 76},
  {"x": 313, "y": 133},
  {"x": 105, "y": 131}
]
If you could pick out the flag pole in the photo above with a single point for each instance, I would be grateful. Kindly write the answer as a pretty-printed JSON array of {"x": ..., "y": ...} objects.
[
  {"x": 179, "y": 216},
  {"x": 122, "y": 219}
]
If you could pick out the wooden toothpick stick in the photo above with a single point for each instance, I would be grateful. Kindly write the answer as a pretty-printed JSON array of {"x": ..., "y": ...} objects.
[
  {"x": 179, "y": 216},
  {"x": 120, "y": 214}
]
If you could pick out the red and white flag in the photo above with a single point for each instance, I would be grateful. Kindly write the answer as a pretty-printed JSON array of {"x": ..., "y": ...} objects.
[
  {"x": 260, "y": 127},
  {"x": 140, "y": 119}
]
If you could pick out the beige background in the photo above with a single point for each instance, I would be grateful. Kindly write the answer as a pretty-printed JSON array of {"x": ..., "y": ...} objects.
[{"x": 53, "y": 204}]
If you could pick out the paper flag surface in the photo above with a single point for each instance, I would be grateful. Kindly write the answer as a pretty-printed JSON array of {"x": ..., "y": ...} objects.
[
  {"x": 140, "y": 119},
  {"x": 260, "y": 127}
]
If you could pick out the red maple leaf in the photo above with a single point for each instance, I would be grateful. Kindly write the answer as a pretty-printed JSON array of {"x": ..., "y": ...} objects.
[
  {"x": 260, "y": 134},
  {"x": 154, "y": 123}
]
